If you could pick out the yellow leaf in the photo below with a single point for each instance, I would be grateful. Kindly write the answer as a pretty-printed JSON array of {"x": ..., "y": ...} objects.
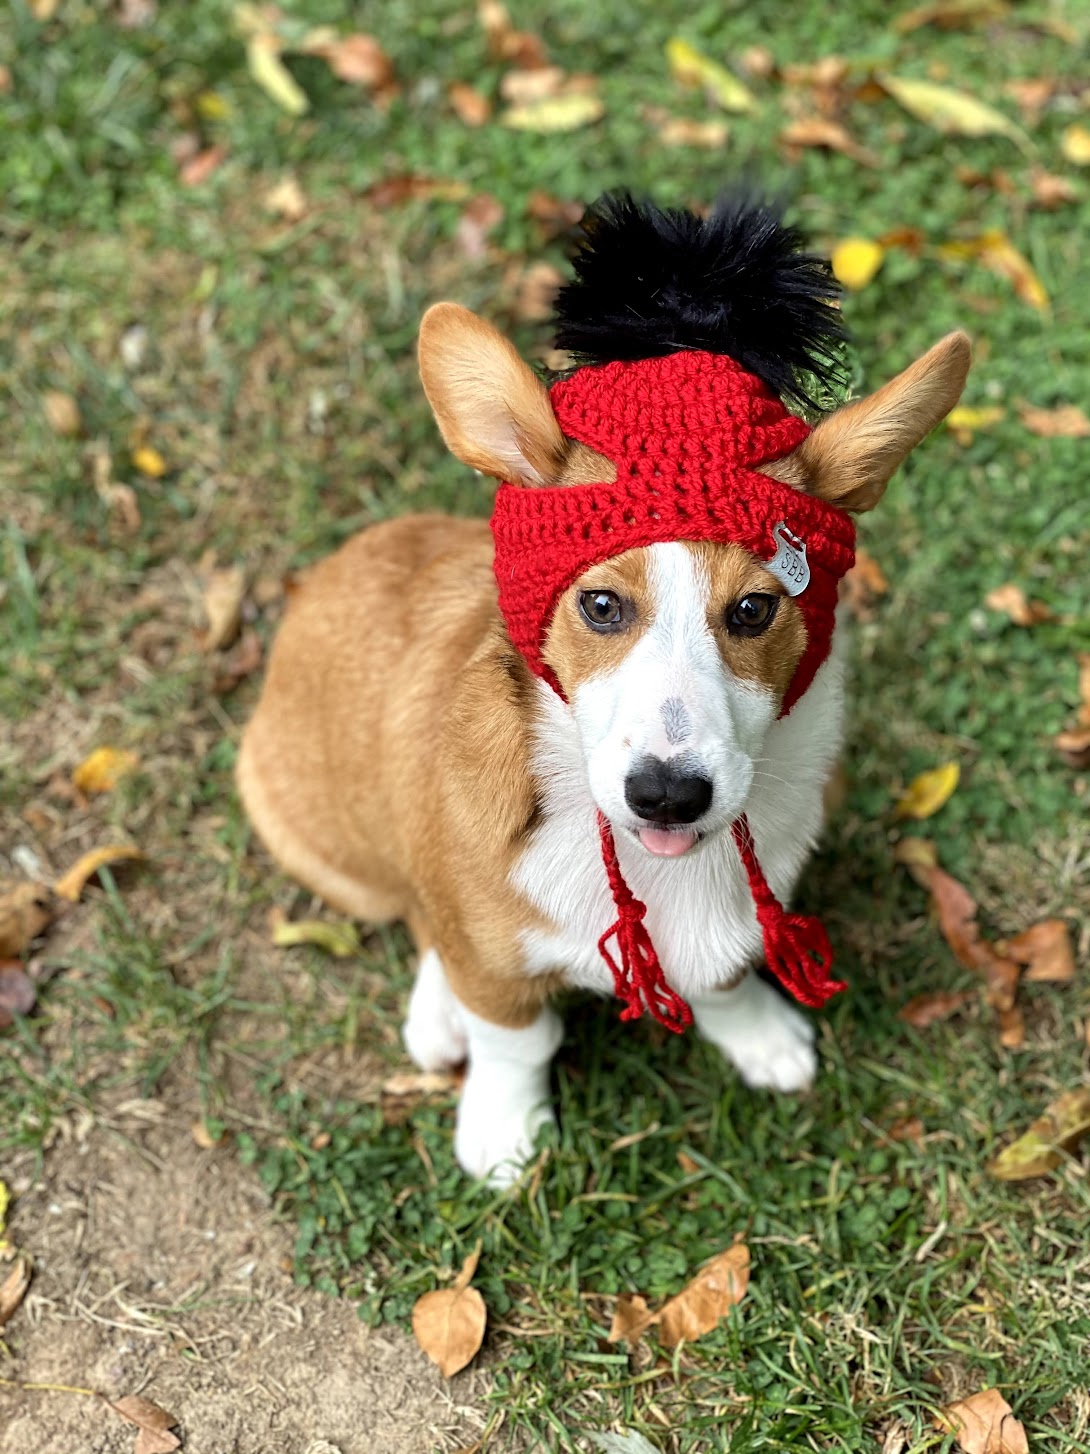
[
  {"x": 964, "y": 421},
  {"x": 555, "y": 113},
  {"x": 1075, "y": 144},
  {"x": 72, "y": 884},
  {"x": 449, "y": 1324},
  {"x": 149, "y": 462},
  {"x": 336, "y": 937},
  {"x": 999, "y": 255},
  {"x": 1041, "y": 1148},
  {"x": 954, "y": 112},
  {"x": 691, "y": 68},
  {"x": 211, "y": 106},
  {"x": 926, "y": 794},
  {"x": 5, "y": 1202},
  {"x": 103, "y": 769},
  {"x": 856, "y": 260},
  {"x": 271, "y": 74}
]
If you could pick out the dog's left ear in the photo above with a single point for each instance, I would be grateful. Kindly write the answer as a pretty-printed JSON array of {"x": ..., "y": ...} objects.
[{"x": 849, "y": 458}]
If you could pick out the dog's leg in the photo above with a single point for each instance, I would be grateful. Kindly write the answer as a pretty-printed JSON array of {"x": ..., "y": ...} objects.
[
  {"x": 768, "y": 1041},
  {"x": 505, "y": 1098},
  {"x": 433, "y": 1032}
]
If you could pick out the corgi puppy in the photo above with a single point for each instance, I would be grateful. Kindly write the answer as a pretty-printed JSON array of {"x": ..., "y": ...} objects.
[{"x": 618, "y": 706}]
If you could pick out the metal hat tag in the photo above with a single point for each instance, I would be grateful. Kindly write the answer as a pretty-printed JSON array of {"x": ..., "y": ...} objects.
[{"x": 789, "y": 563}]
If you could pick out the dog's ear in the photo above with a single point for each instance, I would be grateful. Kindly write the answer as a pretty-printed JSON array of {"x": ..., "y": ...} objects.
[
  {"x": 491, "y": 408},
  {"x": 850, "y": 456}
]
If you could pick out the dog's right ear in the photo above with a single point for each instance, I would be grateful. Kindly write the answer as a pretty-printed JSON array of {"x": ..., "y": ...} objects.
[{"x": 491, "y": 408}]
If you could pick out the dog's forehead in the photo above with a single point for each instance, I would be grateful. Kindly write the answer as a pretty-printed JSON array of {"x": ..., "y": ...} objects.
[{"x": 660, "y": 575}]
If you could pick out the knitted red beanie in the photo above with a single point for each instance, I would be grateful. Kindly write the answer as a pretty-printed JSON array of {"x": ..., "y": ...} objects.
[{"x": 685, "y": 433}]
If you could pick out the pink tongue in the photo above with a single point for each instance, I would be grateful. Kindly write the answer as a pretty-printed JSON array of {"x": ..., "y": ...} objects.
[{"x": 666, "y": 844}]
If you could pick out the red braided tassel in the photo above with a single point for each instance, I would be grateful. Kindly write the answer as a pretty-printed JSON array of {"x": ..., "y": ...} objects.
[
  {"x": 797, "y": 948},
  {"x": 638, "y": 980}
]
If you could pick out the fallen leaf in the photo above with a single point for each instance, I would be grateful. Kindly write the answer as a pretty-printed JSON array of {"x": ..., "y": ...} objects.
[
  {"x": 522, "y": 88},
  {"x": 103, "y": 770},
  {"x": 14, "y": 1287},
  {"x": 336, "y": 937},
  {"x": 683, "y": 131},
  {"x": 957, "y": 910},
  {"x": 1051, "y": 191},
  {"x": 691, "y": 67},
  {"x": 908, "y": 1128},
  {"x": 25, "y": 910},
  {"x": 928, "y": 792},
  {"x": 479, "y": 216},
  {"x": 953, "y": 112},
  {"x": 758, "y": 61},
  {"x": 199, "y": 167},
  {"x": 149, "y": 462},
  {"x": 449, "y": 1323},
  {"x": 855, "y": 261},
  {"x": 1012, "y": 601},
  {"x": 555, "y": 113},
  {"x": 984, "y": 1424},
  {"x": 1084, "y": 688},
  {"x": 61, "y": 413},
  {"x": 995, "y": 251},
  {"x": 71, "y": 885},
  {"x": 471, "y": 107},
  {"x": 1075, "y": 144},
  {"x": 715, "y": 1289},
  {"x": 964, "y": 422},
  {"x": 18, "y": 994},
  {"x": 408, "y": 187},
  {"x": 553, "y": 215},
  {"x": 154, "y": 1423},
  {"x": 132, "y": 14},
  {"x": 420, "y": 1083},
  {"x": 919, "y": 856},
  {"x": 863, "y": 584},
  {"x": 357, "y": 59},
  {"x": 1012, "y": 1028},
  {"x": 222, "y": 602},
  {"x": 537, "y": 292},
  {"x": 286, "y": 200},
  {"x": 211, "y": 106},
  {"x": 631, "y": 1319},
  {"x": 822, "y": 131},
  {"x": 1074, "y": 747},
  {"x": 204, "y": 1138},
  {"x": 516, "y": 47},
  {"x": 1041, "y": 1149},
  {"x": 241, "y": 661},
  {"x": 932, "y": 1009},
  {"x": 1045, "y": 949},
  {"x": 1066, "y": 421},
  {"x": 628, "y": 1442},
  {"x": 950, "y": 15}
]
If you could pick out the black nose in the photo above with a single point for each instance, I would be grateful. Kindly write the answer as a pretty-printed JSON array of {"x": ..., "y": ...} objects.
[{"x": 664, "y": 792}]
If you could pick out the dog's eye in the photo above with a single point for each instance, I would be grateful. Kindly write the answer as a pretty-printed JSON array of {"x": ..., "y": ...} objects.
[
  {"x": 601, "y": 609},
  {"x": 752, "y": 615}
]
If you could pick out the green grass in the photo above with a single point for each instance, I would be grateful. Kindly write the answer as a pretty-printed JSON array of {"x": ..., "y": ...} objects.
[{"x": 280, "y": 386}]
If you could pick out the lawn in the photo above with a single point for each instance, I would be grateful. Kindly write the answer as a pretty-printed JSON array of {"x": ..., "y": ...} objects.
[{"x": 263, "y": 351}]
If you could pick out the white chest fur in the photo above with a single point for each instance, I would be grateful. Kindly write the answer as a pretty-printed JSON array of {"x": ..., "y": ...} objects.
[{"x": 699, "y": 911}]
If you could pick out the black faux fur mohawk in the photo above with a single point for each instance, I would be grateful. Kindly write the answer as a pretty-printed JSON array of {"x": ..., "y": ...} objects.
[{"x": 650, "y": 282}]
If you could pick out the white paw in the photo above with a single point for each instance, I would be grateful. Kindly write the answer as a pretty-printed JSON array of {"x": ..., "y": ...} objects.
[
  {"x": 433, "y": 1032},
  {"x": 497, "y": 1124},
  {"x": 769, "y": 1042}
]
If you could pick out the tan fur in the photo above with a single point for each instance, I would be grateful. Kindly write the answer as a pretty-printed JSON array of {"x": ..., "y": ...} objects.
[{"x": 388, "y": 763}]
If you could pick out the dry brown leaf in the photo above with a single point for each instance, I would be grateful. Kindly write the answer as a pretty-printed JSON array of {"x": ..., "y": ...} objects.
[
  {"x": 149, "y": 1441},
  {"x": 197, "y": 169},
  {"x": 1012, "y": 601},
  {"x": 688, "y": 1165},
  {"x": 908, "y": 1128},
  {"x": 357, "y": 59},
  {"x": 243, "y": 659},
  {"x": 1066, "y": 421},
  {"x": 919, "y": 856},
  {"x": 154, "y": 1423},
  {"x": 757, "y": 61},
  {"x": 14, "y": 1287},
  {"x": 1046, "y": 949},
  {"x": 420, "y": 1083},
  {"x": 472, "y": 107},
  {"x": 103, "y": 770},
  {"x": 684, "y": 131},
  {"x": 821, "y": 131},
  {"x": 956, "y": 909},
  {"x": 932, "y": 1009},
  {"x": 537, "y": 292},
  {"x": 18, "y": 994},
  {"x": 72, "y": 884},
  {"x": 1032, "y": 93},
  {"x": 222, "y": 602},
  {"x": 553, "y": 215},
  {"x": 523, "y": 88},
  {"x": 286, "y": 200},
  {"x": 1012, "y": 1028},
  {"x": 863, "y": 584},
  {"x": 1051, "y": 191},
  {"x": 203, "y": 1137},
  {"x": 1041, "y": 1149},
  {"x": 449, "y": 1323},
  {"x": 61, "y": 413},
  {"x": 716, "y": 1288},
  {"x": 984, "y": 1423},
  {"x": 631, "y": 1319},
  {"x": 25, "y": 910},
  {"x": 950, "y": 15},
  {"x": 403, "y": 187},
  {"x": 1074, "y": 747},
  {"x": 481, "y": 214},
  {"x": 516, "y": 47}
]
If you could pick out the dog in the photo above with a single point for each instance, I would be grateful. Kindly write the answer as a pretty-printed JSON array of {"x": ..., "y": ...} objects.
[{"x": 589, "y": 748}]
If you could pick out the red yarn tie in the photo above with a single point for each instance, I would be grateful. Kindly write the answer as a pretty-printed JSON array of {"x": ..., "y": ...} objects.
[
  {"x": 797, "y": 948},
  {"x": 638, "y": 980}
]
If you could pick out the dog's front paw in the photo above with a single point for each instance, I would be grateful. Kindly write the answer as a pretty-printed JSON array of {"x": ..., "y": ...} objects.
[
  {"x": 432, "y": 1031},
  {"x": 497, "y": 1124},
  {"x": 766, "y": 1039}
]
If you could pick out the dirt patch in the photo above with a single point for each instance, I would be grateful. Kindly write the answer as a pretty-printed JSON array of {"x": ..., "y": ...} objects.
[{"x": 161, "y": 1270}]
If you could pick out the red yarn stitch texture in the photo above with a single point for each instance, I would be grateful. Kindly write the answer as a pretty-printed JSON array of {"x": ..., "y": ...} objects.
[{"x": 685, "y": 434}]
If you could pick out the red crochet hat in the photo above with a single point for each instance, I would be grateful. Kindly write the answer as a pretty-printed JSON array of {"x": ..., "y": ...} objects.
[{"x": 685, "y": 433}]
